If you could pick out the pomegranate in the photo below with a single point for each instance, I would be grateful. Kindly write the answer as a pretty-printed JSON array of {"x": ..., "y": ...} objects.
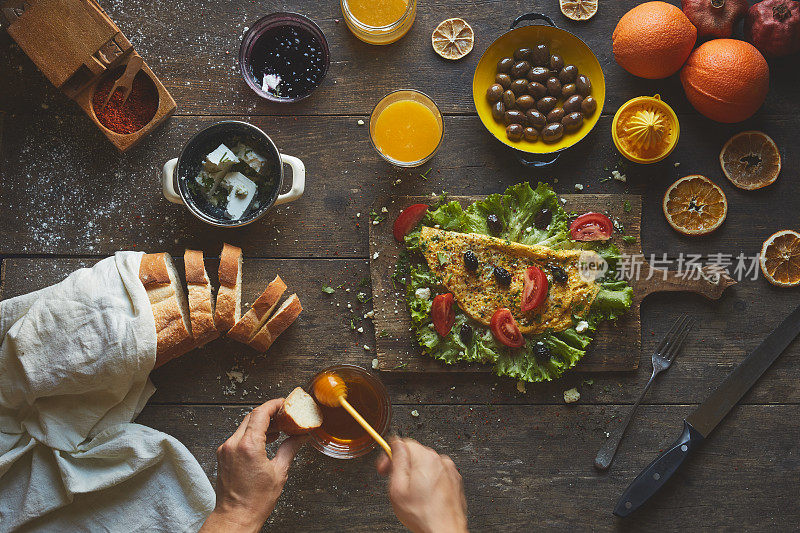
[
  {"x": 773, "y": 26},
  {"x": 714, "y": 18}
]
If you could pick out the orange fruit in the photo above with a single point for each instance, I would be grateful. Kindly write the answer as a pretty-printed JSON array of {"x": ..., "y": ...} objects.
[
  {"x": 653, "y": 40},
  {"x": 726, "y": 80},
  {"x": 751, "y": 160},
  {"x": 453, "y": 38},
  {"x": 695, "y": 205},
  {"x": 780, "y": 258}
]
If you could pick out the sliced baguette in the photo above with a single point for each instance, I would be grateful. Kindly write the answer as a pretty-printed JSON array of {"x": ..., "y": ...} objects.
[
  {"x": 229, "y": 297},
  {"x": 170, "y": 308},
  {"x": 299, "y": 414},
  {"x": 286, "y": 314},
  {"x": 247, "y": 326},
  {"x": 201, "y": 303}
]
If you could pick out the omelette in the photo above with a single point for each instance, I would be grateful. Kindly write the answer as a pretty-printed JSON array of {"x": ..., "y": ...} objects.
[{"x": 479, "y": 294}]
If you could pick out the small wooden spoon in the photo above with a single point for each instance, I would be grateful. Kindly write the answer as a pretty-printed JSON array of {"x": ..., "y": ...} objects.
[
  {"x": 331, "y": 390},
  {"x": 125, "y": 82}
]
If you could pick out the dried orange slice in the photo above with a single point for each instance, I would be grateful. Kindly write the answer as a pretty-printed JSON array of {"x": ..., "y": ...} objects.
[
  {"x": 453, "y": 38},
  {"x": 695, "y": 205},
  {"x": 579, "y": 9},
  {"x": 780, "y": 258},
  {"x": 751, "y": 160}
]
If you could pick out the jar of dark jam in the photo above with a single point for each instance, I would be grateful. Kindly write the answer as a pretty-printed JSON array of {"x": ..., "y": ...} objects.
[{"x": 284, "y": 57}]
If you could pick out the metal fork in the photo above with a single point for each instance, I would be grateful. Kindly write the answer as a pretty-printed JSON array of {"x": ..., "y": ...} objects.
[{"x": 663, "y": 356}]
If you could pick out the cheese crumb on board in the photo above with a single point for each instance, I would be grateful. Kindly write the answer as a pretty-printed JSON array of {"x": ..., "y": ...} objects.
[
  {"x": 424, "y": 293},
  {"x": 572, "y": 395},
  {"x": 581, "y": 326},
  {"x": 415, "y": 413}
]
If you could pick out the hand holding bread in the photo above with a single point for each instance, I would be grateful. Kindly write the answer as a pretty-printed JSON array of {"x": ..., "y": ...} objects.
[{"x": 248, "y": 481}]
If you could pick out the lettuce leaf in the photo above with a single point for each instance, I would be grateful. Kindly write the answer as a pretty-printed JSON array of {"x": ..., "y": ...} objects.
[{"x": 516, "y": 209}]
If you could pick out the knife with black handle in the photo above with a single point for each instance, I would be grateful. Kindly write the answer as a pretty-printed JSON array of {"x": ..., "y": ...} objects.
[{"x": 699, "y": 425}]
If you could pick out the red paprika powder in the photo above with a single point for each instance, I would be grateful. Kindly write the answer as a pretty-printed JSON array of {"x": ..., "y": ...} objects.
[{"x": 135, "y": 113}]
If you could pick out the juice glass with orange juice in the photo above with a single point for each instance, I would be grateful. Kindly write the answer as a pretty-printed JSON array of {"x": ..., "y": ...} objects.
[
  {"x": 406, "y": 128},
  {"x": 379, "y": 21}
]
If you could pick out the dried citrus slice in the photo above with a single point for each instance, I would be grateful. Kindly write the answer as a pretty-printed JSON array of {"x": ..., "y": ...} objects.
[
  {"x": 780, "y": 258},
  {"x": 694, "y": 205},
  {"x": 453, "y": 38},
  {"x": 751, "y": 160},
  {"x": 579, "y": 9}
]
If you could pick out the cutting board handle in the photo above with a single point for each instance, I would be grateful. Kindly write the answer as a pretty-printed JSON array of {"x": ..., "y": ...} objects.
[{"x": 706, "y": 281}]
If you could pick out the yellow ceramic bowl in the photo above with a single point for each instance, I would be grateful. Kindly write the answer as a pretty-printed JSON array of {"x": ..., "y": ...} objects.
[{"x": 572, "y": 49}]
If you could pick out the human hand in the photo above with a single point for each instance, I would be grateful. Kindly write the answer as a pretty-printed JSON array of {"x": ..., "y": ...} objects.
[
  {"x": 248, "y": 482},
  {"x": 425, "y": 488}
]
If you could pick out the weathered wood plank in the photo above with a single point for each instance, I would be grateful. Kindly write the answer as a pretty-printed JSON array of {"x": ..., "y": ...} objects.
[
  {"x": 727, "y": 331},
  {"x": 530, "y": 467},
  {"x": 398, "y": 350},
  {"x": 64, "y": 191},
  {"x": 194, "y": 47}
]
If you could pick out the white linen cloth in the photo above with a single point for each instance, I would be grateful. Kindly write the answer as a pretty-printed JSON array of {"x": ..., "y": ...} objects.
[{"x": 74, "y": 364}]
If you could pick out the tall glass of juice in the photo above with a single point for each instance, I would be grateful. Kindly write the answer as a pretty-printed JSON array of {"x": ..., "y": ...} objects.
[
  {"x": 406, "y": 128},
  {"x": 340, "y": 436},
  {"x": 379, "y": 21}
]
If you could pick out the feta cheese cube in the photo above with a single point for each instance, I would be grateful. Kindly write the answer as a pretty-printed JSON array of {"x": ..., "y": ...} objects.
[
  {"x": 221, "y": 159},
  {"x": 270, "y": 83},
  {"x": 254, "y": 160},
  {"x": 242, "y": 191}
]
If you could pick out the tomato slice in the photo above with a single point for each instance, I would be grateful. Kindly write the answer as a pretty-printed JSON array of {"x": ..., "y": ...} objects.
[
  {"x": 444, "y": 316},
  {"x": 591, "y": 227},
  {"x": 534, "y": 289},
  {"x": 408, "y": 219},
  {"x": 505, "y": 329}
]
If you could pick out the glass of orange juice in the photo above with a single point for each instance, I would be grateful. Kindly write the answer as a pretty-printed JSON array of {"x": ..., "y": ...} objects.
[
  {"x": 379, "y": 21},
  {"x": 406, "y": 128}
]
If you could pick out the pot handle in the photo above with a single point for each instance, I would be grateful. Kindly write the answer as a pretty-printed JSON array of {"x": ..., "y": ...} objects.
[
  {"x": 532, "y": 16},
  {"x": 168, "y": 182},
  {"x": 536, "y": 162},
  {"x": 298, "y": 180}
]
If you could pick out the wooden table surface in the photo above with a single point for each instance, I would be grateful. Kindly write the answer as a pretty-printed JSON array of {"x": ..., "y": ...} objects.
[{"x": 67, "y": 198}]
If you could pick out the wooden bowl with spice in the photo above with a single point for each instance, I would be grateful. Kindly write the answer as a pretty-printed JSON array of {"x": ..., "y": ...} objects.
[{"x": 126, "y": 123}]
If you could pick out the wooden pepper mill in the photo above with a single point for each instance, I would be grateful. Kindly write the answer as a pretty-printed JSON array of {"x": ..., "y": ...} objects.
[{"x": 78, "y": 48}]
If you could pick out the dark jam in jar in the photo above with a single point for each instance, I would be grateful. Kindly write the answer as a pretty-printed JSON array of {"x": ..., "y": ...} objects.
[{"x": 287, "y": 62}]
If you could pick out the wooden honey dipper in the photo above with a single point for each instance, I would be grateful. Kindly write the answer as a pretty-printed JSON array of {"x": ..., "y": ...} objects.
[{"x": 331, "y": 390}]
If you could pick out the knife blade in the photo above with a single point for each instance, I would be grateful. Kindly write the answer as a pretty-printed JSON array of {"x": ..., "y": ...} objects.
[{"x": 698, "y": 425}]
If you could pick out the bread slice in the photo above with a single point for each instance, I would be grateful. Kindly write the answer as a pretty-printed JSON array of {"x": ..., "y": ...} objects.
[
  {"x": 299, "y": 414},
  {"x": 229, "y": 297},
  {"x": 286, "y": 314},
  {"x": 247, "y": 326},
  {"x": 201, "y": 304},
  {"x": 170, "y": 309}
]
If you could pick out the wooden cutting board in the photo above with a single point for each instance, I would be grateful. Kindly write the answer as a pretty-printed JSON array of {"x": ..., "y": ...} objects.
[{"x": 616, "y": 347}]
